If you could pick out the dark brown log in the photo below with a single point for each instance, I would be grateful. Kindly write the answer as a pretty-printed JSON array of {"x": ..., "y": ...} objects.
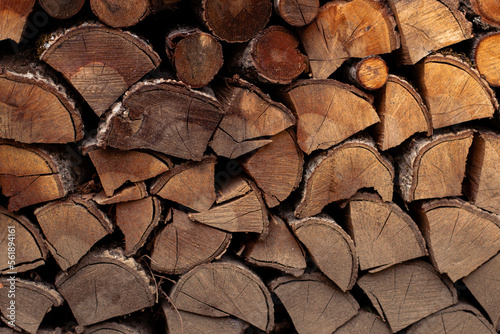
[
  {"x": 62, "y": 9},
  {"x": 488, "y": 10},
  {"x": 103, "y": 285},
  {"x": 132, "y": 192},
  {"x": 85, "y": 55},
  {"x": 221, "y": 289},
  {"x": 120, "y": 327},
  {"x": 195, "y": 55},
  {"x": 315, "y": 305},
  {"x": 297, "y": 13},
  {"x": 164, "y": 116},
  {"x": 13, "y": 18},
  {"x": 364, "y": 323},
  {"x": 328, "y": 112},
  {"x": 369, "y": 73},
  {"x": 486, "y": 57},
  {"x": 406, "y": 293}
]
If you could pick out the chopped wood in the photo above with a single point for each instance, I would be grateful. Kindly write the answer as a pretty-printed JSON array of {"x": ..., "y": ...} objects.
[
  {"x": 120, "y": 327},
  {"x": 164, "y": 116},
  {"x": 84, "y": 55},
  {"x": 191, "y": 184},
  {"x": 453, "y": 91},
  {"x": 488, "y": 10},
  {"x": 13, "y": 18},
  {"x": 434, "y": 167},
  {"x": 406, "y": 293},
  {"x": 328, "y": 112},
  {"x": 369, "y": 73},
  {"x": 127, "y": 193},
  {"x": 384, "y": 234},
  {"x": 486, "y": 57},
  {"x": 221, "y": 289},
  {"x": 340, "y": 172},
  {"x": 297, "y": 13},
  {"x": 402, "y": 113},
  {"x": 250, "y": 119},
  {"x": 460, "y": 237},
  {"x": 62, "y": 9},
  {"x": 103, "y": 285},
  {"x": 315, "y": 305},
  {"x": 364, "y": 323},
  {"x": 341, "y": 30}
]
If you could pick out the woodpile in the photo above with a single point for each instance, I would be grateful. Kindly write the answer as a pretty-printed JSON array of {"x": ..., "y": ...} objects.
[{"x": 249, "y": 166}]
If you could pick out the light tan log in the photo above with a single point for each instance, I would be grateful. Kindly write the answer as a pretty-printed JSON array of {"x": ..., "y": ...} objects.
[
  {"x": 130, "y": 192},
  {"x": 364, "y": 323},
  {"x": 297, "y": 13},
  {"x": 13, "y": 18}
]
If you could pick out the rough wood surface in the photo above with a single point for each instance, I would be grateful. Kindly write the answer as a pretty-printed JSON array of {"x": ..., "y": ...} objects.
[
  {"x": 369, "y": 73},
  {"x": 364, "y": 323},
  {"x": 488, "y": 10},
  {"x": 129, "y": 192},
  {"x": 13, "y": 18},
  {"x": 486, "y": 57},
  {"x": 62, "y": 9},
  {"x": 120, "y": 327},
  {"x": 297, "y": 13}
]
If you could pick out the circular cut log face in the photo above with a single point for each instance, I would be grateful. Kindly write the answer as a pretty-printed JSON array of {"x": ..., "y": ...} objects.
[{"x": 489, "y": 10}]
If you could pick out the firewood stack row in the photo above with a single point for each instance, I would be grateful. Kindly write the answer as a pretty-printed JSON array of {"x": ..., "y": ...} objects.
[{"x": 249, "y": 166}]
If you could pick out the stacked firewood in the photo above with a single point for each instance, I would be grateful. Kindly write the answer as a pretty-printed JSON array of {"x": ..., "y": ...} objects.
[{"x": 249, "y": 166}]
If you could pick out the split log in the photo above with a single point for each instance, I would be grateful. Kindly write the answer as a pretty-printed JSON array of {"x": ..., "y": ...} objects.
[
  {"x": 434, "y": 167},
  {"x": 34, "y": 101},
  {"x": 221, "y": 289},
  {"x": 195, "y": 55},
  {"x": 315, "y": 305},
  {"x": 115, "y": 167},
  {"x": 406, "y": 293},
  {"x": 340, "y": 172},
  {"x": 86, "y": 56},
  {"x": 427, "y": 26},
  {"x": 279, "y": 250},
  {"x": 328, "y": 112},
  {"x": 341, "y": 30},
  {"x": 488, "y": 10},
  {"x": 484, "y": 285},
  {"x": 183, "y": 244},
  {"x": 271, "y": 57},
  {"x": 136, "y": 220},
  {"x": 369, "y": 73},
  {"x": 234, "y": 21},
  {"x": 71, "y": 227},
  {"x": 13, "y": 18},
  {"x": 31, "y": 251},
  {"x": 460, "y": 237},
  {"x": 364, "y": 323},
  {"x": 486, "y": 57},
  {"x": 276, "y": 168},
  {"x": 103, "y": 285},
  {"x": 62, "y": 9},
  {"x": 120, "y": 327},
  {"x": 238, "y": 211},
  {"x": 164, "y": 116},
  {"x": 402, "y": 113},
  {"x": 251, "y": 117},
  {"x": 297, "y": 13},
  {"x": 453, "y": 91},
  {"x": 330, "y": 247},
  {"x": 460, "y": 318},
  {"x": 191, "y": 184},
  {"x": 133, "y": 192},
  {"x": 384, "y": 234},
  {"x": 32, "y": 300}
]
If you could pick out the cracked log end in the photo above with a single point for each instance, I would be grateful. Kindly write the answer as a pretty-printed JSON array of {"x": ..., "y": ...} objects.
[{"x": 297, "y": 13}]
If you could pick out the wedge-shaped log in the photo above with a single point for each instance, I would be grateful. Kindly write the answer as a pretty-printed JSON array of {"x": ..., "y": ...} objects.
[
  {"x": 327, "y": 112},
  {"x": 384, "y": 234},
  {"x": 342, "y": 29},
  {"x": 453, "y": 91},
  {"x": 315, "y": 305},
  {"x": 130, "y": 192},
  {"x": 62, "y": 9},
  {"x": 13, "y": 18},
  {"x": 434, "y": 167},
  {"x": 406, "y": 293},
  {"x": 221, "y": 289},
  {"x": 86, "y": 55},
  {"x": 486, "y": 56},
  {"x": 488, "y": 10},
  {"x": 364, "y": 323},
  {"x": 297, "y": 13},
  {"x": 338, "y": 173},
  {"x": 123, "y": 326}
]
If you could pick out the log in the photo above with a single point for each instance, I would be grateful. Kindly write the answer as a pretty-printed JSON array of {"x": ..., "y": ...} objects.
[
  {"x": 84, "y": 56},
  {"x": 406, "y": 293},
  {"x": 453, "y": 91},
  {"x": 250, "y": 118},
  {"x": 321, "y": 123},
  {"x": 127, "y": 193},
  {"x": 276, "y": 168},
  {"x": 364, "y": 323},
  {"x": 184, "y": 244},
  {"x": 191, "y": 184},
  {"x": 434, "y": 167},
  {"x": 330, "y": 247},
  {"x": 120, "y": 327},
  {"x": 13, "y": 18},
  {"x": 297, "y": 13},
  {"x": 486, "y": 57},
  {"x": 31, "y": 251},
  {"x": 402, "y": 113},
  {"x": 338, "y": 173},
  {"x": 71, "y": 227},
  {"x": 103, "y": 285},
  {"x": 488, "y": 10},
  {"x": 341, "y": 30},
  {"x": 183, "y": 44},
  {"x": 222, "y": 289},
  {"x": 384, "y": 234},
  {"x": 32, "y": 300},
  {"x": 164, "y": 116},
  {"x": 233, "y": 21},
  {"x": 62, "y": 9},
  {"x": 460, "y": 237},
  {"x": 314, "y": 303},
  {"x": 369, "y": 73},
  {"x": 136, "y": 220},
  {"x": 427, "y": 26}
]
